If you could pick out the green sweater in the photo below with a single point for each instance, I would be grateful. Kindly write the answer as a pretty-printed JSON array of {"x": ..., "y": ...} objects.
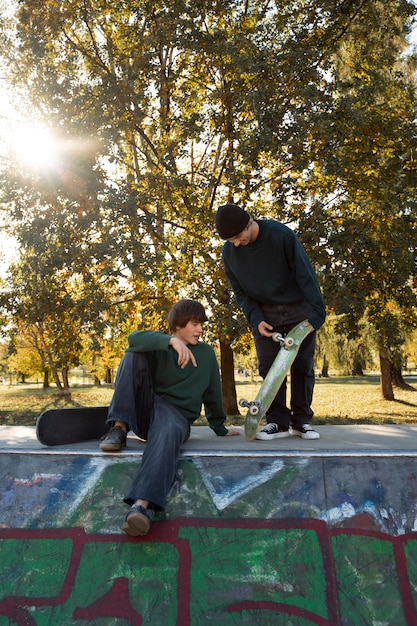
[
  {"x": 274, "y": 269},
  {"x": 189, "y": 388}
]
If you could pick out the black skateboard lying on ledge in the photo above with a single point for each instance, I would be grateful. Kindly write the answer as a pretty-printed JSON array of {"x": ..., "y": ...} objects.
[{"x": 58, "y": 427}]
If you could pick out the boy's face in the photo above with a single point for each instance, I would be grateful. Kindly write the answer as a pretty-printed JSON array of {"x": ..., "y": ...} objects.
[
  {"x": 191, "y": 333},
  {"x": 248, "y": 235}
]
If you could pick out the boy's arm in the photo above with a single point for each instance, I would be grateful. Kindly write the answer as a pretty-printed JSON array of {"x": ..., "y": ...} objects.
[
  {"x": 249, "y": 306},
  {"x": 150, "y": 340},
  {"x": 147, "y": 341}
]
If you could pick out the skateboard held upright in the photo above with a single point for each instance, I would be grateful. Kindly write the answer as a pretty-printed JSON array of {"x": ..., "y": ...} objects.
[
  {"x": 290, "y": 345},
  {"x": 58, "y": 427}
]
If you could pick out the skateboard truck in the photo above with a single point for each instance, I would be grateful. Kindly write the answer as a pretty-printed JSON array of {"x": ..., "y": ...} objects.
[
  {"x": 285, "y": 342},
  {"x": 253, "y": 406}
]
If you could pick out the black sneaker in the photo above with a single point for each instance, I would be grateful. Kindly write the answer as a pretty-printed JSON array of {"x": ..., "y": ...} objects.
[
  {"x": 272, "y": 431},
  {"x": 137, "y": 521},
  {"x": 114, "y": 440},
  {"x": 305, "y": 431}
]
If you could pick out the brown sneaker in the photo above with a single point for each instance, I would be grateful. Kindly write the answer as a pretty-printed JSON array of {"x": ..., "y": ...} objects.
[
  {"x": 114, "y": 440},
  {"x": 137, "y": 521}
]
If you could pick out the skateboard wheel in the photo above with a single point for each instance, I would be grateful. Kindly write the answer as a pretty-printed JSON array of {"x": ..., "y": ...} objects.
[
  {"x": 243, "y": 402},
  {"x": 288, "y": 342},
  {"x": 254, "y": 409},
  {"x": 277, "y": 338}
]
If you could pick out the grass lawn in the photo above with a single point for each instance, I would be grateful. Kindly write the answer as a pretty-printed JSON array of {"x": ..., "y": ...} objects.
[
  {"x": 350, "y": 400},
  {"x": 347, "y": 400},
  {"x": 22, "y": 403},
  {"x": 337, "y": 400}
]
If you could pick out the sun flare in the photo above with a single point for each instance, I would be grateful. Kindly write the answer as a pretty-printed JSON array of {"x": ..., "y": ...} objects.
[{"x": 34, "y": 147}]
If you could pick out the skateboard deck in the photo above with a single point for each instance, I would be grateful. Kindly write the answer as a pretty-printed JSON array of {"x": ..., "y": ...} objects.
[
  {"x": 279, "y": 369},
  {"x": 57, "y": 427}
]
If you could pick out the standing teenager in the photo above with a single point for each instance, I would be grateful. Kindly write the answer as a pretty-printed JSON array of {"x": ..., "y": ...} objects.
[{"x": 276, "y": 287}]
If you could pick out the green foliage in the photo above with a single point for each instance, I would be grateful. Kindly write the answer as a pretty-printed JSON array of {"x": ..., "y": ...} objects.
[
  {"x": 304, "y": 111},
  {"x": 25, "y": 362}
]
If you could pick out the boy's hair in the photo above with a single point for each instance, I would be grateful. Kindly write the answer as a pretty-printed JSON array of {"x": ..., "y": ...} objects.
[{"x": 185, "y": 311}]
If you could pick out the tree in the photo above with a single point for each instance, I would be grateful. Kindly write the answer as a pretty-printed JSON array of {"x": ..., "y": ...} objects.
[
  {"x": 177, "y": 111},
  {"x": 361, "y": 181},
  {"x": 24, "y": 361},
  {"x": 171, "y": 108},
  {"x": 349, "y": 357}
]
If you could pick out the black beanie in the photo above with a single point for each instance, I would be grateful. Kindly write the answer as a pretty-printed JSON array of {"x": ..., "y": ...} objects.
[{"x": 231, "y": 220}]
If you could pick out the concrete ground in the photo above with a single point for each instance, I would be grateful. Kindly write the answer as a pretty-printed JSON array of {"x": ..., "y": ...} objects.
[{"x": 361, "y": 440}]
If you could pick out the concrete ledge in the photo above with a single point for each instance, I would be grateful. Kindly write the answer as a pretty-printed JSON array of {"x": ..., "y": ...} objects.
[{"x": 362, "y": 440}]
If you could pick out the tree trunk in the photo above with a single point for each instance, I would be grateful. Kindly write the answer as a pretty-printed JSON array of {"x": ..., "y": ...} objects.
[
  {"x": 396, "y": 373},
  {"x": 55, "y": 376},
  {"x": 65, "y": 390},
  {"x": 357, "y": 369},
  {"x": 325, "y": 368},
  {"x": 386, "y": 382},
  {"x": 46, "y": 383},
  {"x": 228, "y": 379}
]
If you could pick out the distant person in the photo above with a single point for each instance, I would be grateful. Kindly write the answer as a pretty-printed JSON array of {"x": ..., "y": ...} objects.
[
  {"x": 276, "y": 287},
  {"x": 161, "y": 384}
]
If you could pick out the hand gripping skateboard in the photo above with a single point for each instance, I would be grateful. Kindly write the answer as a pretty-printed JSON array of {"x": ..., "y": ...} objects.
[
  {"x": 58, "y": 427},
  {"x": 279, "y": 369}
]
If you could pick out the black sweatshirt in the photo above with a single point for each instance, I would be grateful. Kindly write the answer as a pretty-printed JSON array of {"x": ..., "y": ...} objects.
[{"x": 274, "y": 269}]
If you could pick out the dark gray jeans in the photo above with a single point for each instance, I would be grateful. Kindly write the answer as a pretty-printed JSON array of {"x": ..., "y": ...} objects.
[
  {"x": 283, "y": 318},
  {"x": 151, "y": 418}
]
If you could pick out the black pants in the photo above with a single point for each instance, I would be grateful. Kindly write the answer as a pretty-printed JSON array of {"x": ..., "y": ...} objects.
[{"x": 283, "y": 318}]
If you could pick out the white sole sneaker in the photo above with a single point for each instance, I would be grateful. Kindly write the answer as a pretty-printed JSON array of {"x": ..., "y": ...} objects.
[
  {"x": 265, "y": 436},
  {"x": 305, "y": 432}
]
